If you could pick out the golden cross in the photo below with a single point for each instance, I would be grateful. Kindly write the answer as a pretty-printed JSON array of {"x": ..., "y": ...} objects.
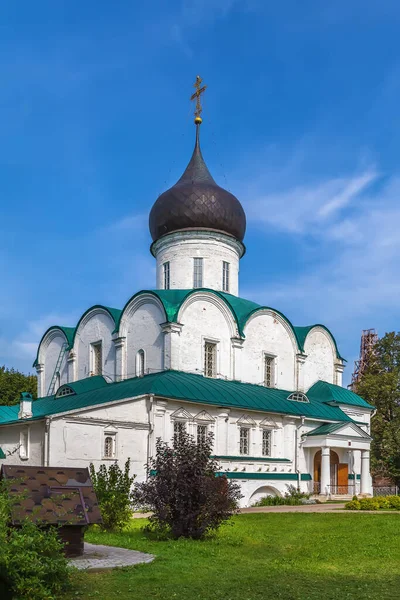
[{"x": 196, "y": 96}]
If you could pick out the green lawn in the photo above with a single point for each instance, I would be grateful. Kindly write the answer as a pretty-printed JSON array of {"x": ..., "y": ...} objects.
[{"x": 290, "y": 556}]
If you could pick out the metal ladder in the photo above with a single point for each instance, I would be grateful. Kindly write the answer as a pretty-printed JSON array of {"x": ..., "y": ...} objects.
[{"x": 63, "y": 350}]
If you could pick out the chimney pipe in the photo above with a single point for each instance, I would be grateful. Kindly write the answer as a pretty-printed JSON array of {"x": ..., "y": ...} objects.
[{"x": 25, "y": 406}]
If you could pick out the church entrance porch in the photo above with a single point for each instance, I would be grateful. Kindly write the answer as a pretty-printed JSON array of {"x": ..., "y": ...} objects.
[{"x": 339, "y": 484}]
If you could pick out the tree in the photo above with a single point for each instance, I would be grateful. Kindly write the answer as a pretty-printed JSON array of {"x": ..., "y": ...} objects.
[
  {"x": 380, "y": 385},
  {"x": 12, "y": 383},
  {"x": 184, "y": 491}
]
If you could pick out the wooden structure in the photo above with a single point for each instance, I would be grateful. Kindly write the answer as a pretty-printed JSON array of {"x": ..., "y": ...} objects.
[
  {"x": 53, "y": 496},
  {"x": 369, "y": 337}
]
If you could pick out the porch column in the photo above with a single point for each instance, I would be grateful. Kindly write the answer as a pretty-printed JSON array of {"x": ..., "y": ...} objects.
[
  {"x": 365, "y": 476},
  {"x": 325, "y": 469}
]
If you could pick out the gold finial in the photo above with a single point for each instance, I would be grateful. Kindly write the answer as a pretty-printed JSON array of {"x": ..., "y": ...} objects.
[{"x": 196, "y": 96}]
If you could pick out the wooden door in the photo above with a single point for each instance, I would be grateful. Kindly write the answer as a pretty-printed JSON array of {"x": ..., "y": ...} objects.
[{"x": 343, "y": 476}]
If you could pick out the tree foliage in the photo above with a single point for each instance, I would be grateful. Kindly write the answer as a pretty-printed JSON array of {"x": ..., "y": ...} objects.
[
  {"x": 183, "y": 490},
  {"x": 113, "y": 488},
  {"x": 12, "y": 383},
  {"x": 380, "y": 385}
]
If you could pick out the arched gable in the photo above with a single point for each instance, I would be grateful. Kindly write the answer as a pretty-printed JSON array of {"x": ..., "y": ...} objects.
[
  {"x": 133, "y": 304},
  {"x": 53, "y": 345},
  {"x": 96, "y": 325},
  {"x": 321, "y": 351},
  {"x": 214, "y": 299}
]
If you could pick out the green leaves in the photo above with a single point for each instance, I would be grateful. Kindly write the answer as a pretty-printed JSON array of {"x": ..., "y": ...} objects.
[{"x": 12, "y": 383}]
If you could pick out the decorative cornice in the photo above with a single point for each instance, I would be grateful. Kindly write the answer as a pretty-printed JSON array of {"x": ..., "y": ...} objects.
[{"x": 171, "y": 327}]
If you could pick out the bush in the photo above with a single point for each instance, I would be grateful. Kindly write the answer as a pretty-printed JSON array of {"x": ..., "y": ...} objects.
[
  {"x": 394, "y": 502},
  {"x": 293, "y": 497},
  {"x": 183, "y": 490},
  {"x": 353, "y": 505},
  {"x": 32, "y": 561},
  {"x": 113, "y": 488}
]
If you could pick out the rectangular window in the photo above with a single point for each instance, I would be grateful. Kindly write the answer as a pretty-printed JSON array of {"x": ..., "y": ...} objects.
[
  {"x": 179, "y": 428},
  {"x": 97, "y": 361},
  {"x": 269, "y": 368},
  {"x": 225, "y": 276},
  {"x": 197, "y": 272},
  {"x": 210, "y": 359},
  {"x": 24, "y": 444},
  {"x": 201, "y": 434},
  {"x": 266, "y": 442},
  {"x": 166, "y": 272},
  {"x": 109, "y": 445},
  {"x": 244, "y": 440}
]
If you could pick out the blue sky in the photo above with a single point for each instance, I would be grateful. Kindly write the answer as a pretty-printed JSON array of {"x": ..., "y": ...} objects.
[{"x": 301, "y": 122}]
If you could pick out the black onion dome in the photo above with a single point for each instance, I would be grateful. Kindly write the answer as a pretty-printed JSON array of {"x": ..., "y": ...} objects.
[{"x": 197, "y": 202}]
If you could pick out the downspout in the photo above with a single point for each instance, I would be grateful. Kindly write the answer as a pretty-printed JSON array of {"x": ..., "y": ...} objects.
[
  {"x": 46, "y": 457},
  {"x": 150, "y": 416},
  {"x": 296, "y": 455}
]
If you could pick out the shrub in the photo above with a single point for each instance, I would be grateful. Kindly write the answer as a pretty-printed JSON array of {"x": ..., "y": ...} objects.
[
  {"x": 270, "y": 501},
  {"x": 32, "y": 561},
  {"x": 183, "y": 490},
  {"x": 369, "y": 504},
  {"x": 113, "y": 488},
  {"x": 292, "y": 497},
  {"x": 394, "y": 502},
  {"x": 353, "y": 505}
]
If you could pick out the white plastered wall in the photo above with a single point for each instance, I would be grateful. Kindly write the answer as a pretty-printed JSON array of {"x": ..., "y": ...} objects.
[
  {"x": 205, "y": 317},
  {"x": 10, "y": 437},
  {"x": 180, "y": 248},
  {"x": 321, "y": 358},
  {"x": 267, "y": 333},
  {"x": 140, "y": 325},
  {"x": 96, "y": 326}
]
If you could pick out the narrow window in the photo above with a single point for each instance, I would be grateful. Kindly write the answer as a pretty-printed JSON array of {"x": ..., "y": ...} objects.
[
  {"x": 140, "y": 363},
  {"x": 201, "y": 434},
  {"x": 166, "y": 272},
  {"x": 197, "y": 272},
  {"x": 179, "y": 429},
  {"x": 225, "y": 276},
  {"x": 24, "y": 444},
  {"x": 269, "y": 364},
  {"x": 97, "y": 359},
  {"x": 210, "y": 359},
  {"x": 244, "y": 440},
  {"x": 266, "y": 442},
  {"x": 109, "y": 446}
]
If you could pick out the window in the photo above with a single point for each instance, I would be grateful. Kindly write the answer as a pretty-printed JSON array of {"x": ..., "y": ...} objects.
[
  {"x": 179, "y": 428},
  {"x": 24, "y": 444},
  {"x": 140, "y": 363},
  {"x": 298, "y": 397},
  {"x": 166, "y": 273},
  {"x": 225, "y": 276},
  {"x": 266, "y": 442},
  {"x": 109, "y": 445},
  {"x": 210, "y": 359},
  {"x": 197, "y": 272},
  {"x": 244, "y": 440},
  {"x": 97, "y": 362},
  {"x": 269, "y": 368},
  {"x": 65, "y": 391},
  {"x": 201, "y": 434}
]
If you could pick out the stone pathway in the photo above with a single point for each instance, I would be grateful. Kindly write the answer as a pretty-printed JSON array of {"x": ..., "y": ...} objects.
[{"x": 99, "y": 557}]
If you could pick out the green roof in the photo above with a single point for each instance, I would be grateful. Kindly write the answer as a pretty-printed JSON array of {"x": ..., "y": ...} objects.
[
  {"x": 186, "y": 387},
  {"x": 325, "y": 429},
  {"x": 85, "y": 385},
  {"x": 2, "y": 455},
  {"x": 328, "y": 392}
]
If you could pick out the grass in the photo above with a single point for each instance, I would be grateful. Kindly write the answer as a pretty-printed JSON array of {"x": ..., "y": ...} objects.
[{"x": 260, "y": 556}]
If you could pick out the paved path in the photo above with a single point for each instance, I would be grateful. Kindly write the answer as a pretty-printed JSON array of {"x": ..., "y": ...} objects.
[
  {"x": 303, "y": 508},
  {"x": 97, "y": 557}
]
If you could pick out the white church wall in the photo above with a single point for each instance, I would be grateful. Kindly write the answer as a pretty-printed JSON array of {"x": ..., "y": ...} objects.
[
  {"x": 205, "y": 318},
  {"x": 267, "y": 333},
  {"x": 180, "y": 248},
  {"x": 321, "y": 358},
  {"x": 49, "y": 352},
  {"x": 141, "y": 327},
  {"x": 13, "y": 440},
  {"x": 96, "y": 326}
]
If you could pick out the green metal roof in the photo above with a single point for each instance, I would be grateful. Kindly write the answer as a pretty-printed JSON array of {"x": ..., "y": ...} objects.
[
  {"x": 186, "y": 387},
  {"x": 2, "y": 455},
  {"x": 69, "y": 333},
  {"x": 328, "y": 392},
  {"x": 115, "y": 314},
  {"x": 325, "y": 429}
]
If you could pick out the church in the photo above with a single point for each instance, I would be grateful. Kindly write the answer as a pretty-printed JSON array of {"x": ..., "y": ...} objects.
[{"x": 192, "y": 355}]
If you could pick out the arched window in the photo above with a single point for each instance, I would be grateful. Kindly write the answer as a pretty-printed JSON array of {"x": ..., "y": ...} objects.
[
  {"x": 298, "y": 397},
  {"x": 140, "y": 363},
  {"x": 109, "y": 446}
]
